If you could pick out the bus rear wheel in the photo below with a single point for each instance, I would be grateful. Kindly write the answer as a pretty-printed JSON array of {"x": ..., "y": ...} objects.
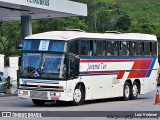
[
  {"x": 38, "y": 102},
  {"x": 135, "y": 91},
  {"x": 78, "y": 96},
  {"x": 126, "y": 91}
]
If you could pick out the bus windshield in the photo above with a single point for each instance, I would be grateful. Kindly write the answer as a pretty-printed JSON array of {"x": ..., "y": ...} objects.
[
  {"x": 44, "y": 45},
  {"x": 43, "y": 65}
]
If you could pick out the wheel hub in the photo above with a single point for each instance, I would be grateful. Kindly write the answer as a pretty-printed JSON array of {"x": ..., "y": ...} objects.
[
  {"x": 135, "y": 90},
  {"x": 77, "y": 95},
  {"x": 127, "y": 91}
]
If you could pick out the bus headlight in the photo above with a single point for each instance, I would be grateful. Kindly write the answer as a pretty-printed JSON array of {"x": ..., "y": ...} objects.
[
  {"x": 23, "y": 92},
  {"x": 57, "y": 94},
  {"x": 20, "y": 91}
]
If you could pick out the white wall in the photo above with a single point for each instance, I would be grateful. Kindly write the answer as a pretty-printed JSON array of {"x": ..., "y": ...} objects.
[
  {"x": 13, "y": 64},
  {"x": 6, "y": 71},
  {"x": 1, "y": 63},
  {"x": 12, "y": 69}
]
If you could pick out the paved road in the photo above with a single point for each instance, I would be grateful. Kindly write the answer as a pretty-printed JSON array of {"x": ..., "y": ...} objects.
[{"x": 143, "y": 103}]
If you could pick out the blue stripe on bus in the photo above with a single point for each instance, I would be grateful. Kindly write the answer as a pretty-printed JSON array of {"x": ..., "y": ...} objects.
[
  {"x": 96, "y": 74},
  {"x": 118, "y": 58},
  {"x": 151, "y": 67}
]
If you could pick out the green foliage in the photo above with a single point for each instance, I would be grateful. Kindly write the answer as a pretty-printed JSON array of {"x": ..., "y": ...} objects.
[
  {"x": 144, "y": 26},
  {"x": 10, "y": 33},
  {"x": 123, "y": 23},
  {"x": 58, "y": 24},
  {"x": 8, "y": 84}
]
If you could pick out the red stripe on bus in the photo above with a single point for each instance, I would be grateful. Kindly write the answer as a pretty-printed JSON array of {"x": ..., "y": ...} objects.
[
  {"x": 120, "y": 75},
  {"x": 139, "y": 64}
]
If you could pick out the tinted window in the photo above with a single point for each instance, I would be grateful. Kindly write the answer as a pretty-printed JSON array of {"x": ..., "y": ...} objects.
[
  {"x": 86, "y": 47},
  {"x": 125, "y": 48},
  {"x": 91, "y": 42},
  {"x": 74, "y": 47},
  {"x": 57, "y": 46},
  {"x": 45, "y": 45},
  {"x": 100, "y": 48},
  {"x": 31, "y": 44},
  {"x": 112, "y": 48},
  {"x": 154, "y": 49},
  {"x": 147, "y": 48},
  {"x": 136, "y": 48}
]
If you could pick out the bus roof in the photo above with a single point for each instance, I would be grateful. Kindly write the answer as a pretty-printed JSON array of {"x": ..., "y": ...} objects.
[{"x": 69, "y": 35}]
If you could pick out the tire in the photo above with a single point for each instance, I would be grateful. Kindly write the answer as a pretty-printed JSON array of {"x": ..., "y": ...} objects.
[
  {"x": 78, "y": 96},
  {"x": 134, "y": 91},
  {"x": 126, "y": 91},
  {"x": 38, "y": 102}
]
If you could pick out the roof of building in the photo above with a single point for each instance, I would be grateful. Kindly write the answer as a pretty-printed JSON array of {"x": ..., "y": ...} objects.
[{"x": 38, "y": 9}]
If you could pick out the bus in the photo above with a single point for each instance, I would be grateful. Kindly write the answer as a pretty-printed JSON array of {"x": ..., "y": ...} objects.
[{"x": 77, "y": 66}]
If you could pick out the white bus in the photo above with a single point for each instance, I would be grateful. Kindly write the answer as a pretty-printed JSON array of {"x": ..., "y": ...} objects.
[{"x": 77, "y": 66}]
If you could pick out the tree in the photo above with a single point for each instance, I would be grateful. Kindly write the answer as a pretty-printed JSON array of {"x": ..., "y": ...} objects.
[
  {"x": 58, "y": 24},
  {"x": 123, "y": 22},
  {"x": 10, "y": 34},
  {"x": 98, "y": 19},
  {"x": 144, "y": 26}
]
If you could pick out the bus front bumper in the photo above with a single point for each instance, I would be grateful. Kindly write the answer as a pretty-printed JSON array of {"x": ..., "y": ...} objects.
[{"x": 42, "y": 95}]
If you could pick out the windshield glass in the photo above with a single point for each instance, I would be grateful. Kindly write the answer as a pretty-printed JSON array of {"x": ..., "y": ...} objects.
[
  {"x": 45, "y": 45},
  {"x": 43, "y": 65}
]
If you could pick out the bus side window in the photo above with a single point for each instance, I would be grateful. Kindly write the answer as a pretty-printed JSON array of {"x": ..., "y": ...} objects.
[
  {"x": 112, "y": 48},
  {"x": 136, "y": 49},
  {"x": 84, "y": 47},
  {"x": 154, "y": 49},
  {"x": 108, "y": 49},
  {"x": 147, "y": 48},
  {"x": 91, "y": 53},
  {"x": 125, "y": 48},
  {"x": 74, "y": 47},
  {"x": 100, "y": 44},
  {"x": 132, "y": 49}
]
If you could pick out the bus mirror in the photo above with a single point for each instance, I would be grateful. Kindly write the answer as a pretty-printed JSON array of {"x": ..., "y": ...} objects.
[
  {"x": 19, "y": 61},
  {"x": 19, "y": 45},
  {"x": 74, "y": 67}
]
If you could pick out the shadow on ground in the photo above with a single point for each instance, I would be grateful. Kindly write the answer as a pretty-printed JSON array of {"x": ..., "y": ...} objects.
[{"x": 68, "y": 104}]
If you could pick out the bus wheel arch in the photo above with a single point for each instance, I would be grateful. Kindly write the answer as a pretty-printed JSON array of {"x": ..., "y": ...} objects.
[
  {"x": 79, "y": 94},
  {"x": 135, "y": 89}
]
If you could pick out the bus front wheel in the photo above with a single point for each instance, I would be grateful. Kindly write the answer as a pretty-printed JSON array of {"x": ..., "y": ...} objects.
[
  {"x": 126, "y": 91},
  {"x": 78, "y": 96},
  {"x": 135, "y": 91},
  {"x": 38, "y": 102}
]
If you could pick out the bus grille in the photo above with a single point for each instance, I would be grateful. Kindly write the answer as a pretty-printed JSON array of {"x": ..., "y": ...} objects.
[{"x": 38, "y": 95}]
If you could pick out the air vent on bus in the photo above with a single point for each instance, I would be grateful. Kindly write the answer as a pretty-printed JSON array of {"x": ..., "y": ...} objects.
[
  {"x": 79, "y": 30},
  {"x": 113, "y": 32}
]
